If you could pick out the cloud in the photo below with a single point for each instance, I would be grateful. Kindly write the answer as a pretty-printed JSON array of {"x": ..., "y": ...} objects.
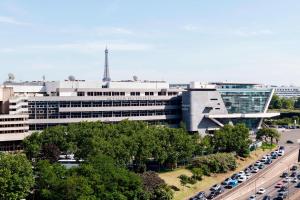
[
  {"x": 85, "y": 47},
  {"x": 10, "y": 20}
]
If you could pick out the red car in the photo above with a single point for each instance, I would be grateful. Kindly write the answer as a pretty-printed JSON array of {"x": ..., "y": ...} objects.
[{"x": 279, "y": 185}]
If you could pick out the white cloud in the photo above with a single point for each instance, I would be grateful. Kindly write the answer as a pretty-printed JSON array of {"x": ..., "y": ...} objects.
[{"x": 10, "y": 20}]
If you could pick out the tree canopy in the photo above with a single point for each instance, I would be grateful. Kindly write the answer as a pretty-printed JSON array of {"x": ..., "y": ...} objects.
[
  {"x": 16, "y": 176},
  {"x": 268, "y": 135}
]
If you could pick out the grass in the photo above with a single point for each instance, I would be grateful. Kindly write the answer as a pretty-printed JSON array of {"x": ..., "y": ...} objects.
[
  {"x": 267, "y": 146},
  {"x": 171, "y": 178}
]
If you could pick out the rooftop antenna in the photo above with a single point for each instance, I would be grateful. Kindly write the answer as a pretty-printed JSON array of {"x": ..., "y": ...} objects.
[
  {"x": 44, "y": 78},
  {"x": 11, "y": 77},
  {"x": 106, "y": 77}
]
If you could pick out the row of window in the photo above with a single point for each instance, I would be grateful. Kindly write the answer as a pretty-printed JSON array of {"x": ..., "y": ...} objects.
[
  {"x": 11, "y": 119},
  {"x": 123, "y": 93},
  {"x": 63, "y": 104},
  {"x": 12, "y": 125},
  {"x": 105, "y": 114},
  {"x": 13, "y": 131}
]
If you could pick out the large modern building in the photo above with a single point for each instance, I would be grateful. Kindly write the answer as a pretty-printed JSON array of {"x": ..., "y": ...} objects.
[
  {"x": 207, "y": 107},
  {"x": 26, "y": 107}
]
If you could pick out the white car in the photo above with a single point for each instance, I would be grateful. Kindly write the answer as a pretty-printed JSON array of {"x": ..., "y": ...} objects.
[
  {"x": 241, "y": 173},
  {"x": 252, "y": 197},
  {"x": 255, "y": 170},
  {"x": 281, "y": 153},
  {"x": 295, "y": 180},
  {"x": 248, "y": 175},
  {"x": 242, "y": 179},
  {"x": 261, "y": 191},
  {"x": 264, "y": 159},
  {"x": 287, "y": 179}
]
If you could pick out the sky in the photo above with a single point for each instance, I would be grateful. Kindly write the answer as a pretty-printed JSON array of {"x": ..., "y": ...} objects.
[{"x": 172, "y": 40}]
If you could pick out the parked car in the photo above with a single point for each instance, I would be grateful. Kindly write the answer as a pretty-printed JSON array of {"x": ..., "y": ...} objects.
[
  {"x": 267, "y": 197},
  {"x": 282, "y": 194},
  {"x": 294, "y": 180},
  {"x": 281, "y": 153},
  {"x": 255, "y": 170},
  {"x": 294, "y": 168},
  {"x": 233, "y": 183},
  {"x": 235, "y": 176},
  {"x": 226, "y": 181},
  {"x": 284, "y": 175},
  {"x": 261, "y": 191},
  {"x": 289, "y": 142},
  {"x": 279, "y": 185},
  {"x": 283, "y": 188},
  {"x": 261, "y": 166},
  {"x": 252, "y": 197},
  {"x": 212, "y": 195},
  {"x": 201, "y": 196},
  {"x": 281, "y": 148},
  {"x": 215, "y": 187},
  {"x": 287, "y": 179},
  {"x": 242, "y": 179},
  {"x": 269, "y": 161},
  {"x": 293, "y": 174},
  {"x": 298, "y": 185},
  {"x": 248, "y": 175}
]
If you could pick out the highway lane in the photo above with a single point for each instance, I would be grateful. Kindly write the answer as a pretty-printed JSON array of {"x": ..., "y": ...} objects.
[{"x": 264, "y": 178}]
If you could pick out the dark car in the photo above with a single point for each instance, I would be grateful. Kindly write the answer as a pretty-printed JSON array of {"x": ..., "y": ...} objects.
[
  {"x": 235, "y": 176},
  {"x": 284, "y": 175},
  {"x": 220, "y": 190},
  {"x": 283, "y": 189},
  {"x": 281, "y": 148},
  {"x": 266, "y": 197},
  {"x": 298, "y": 185},
  {"x": 261, "y": 166},
  {"x": 289, "y": 142},
  {"x": 200, "y": 195},
  {"x": 269, "y": 161},
  {"x": 294, "y": 168},
  {"x": 293, "y": 174},
  {"x": 274, "y": 156},
  {"x": 212, "y": 195}
]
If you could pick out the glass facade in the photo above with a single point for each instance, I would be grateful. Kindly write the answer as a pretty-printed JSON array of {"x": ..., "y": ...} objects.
[{"x": 245, "y": 101}]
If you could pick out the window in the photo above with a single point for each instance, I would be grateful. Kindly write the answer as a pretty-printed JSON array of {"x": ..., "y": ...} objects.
[
  {"x": 80, "y": 94},
  {"x": 149, "y": 93},
  {"x": 90, "y": 93}
]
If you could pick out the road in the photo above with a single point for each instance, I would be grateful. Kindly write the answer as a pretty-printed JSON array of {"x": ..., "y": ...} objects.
[{"x": 270, "y": 176}]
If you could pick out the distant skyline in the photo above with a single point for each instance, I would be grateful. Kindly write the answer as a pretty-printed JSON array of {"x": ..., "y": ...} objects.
[{"x": 172, "y": 40}]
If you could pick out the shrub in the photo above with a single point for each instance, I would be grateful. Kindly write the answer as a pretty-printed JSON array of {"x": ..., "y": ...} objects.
[
  {"x": 215, "y": 163},
  {"x": 197, "y": 173}
]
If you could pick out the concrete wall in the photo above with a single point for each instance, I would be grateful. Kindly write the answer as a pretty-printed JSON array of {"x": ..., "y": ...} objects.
[{"x": 198, "y": 103}]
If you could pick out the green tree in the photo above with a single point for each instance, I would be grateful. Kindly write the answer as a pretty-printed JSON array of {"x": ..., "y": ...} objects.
[
  {"x": 16, "y": 177},
  {"x": 287, "y": 103},
  {"x": 232, "y": 139},
  {"x": 268, "y": 135},
  {"x": 276, "y": 102}
]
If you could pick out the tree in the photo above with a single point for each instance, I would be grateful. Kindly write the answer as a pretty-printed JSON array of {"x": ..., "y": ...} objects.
[
  {"x": 50, "y": 152},
  {"x": 276, "y": 102},
  {"x": 16, "y": 176},
  {"x": 268, "y": 134},
  {"x": 287, "y": 103},
  {"x": 232, "y": 139}
]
